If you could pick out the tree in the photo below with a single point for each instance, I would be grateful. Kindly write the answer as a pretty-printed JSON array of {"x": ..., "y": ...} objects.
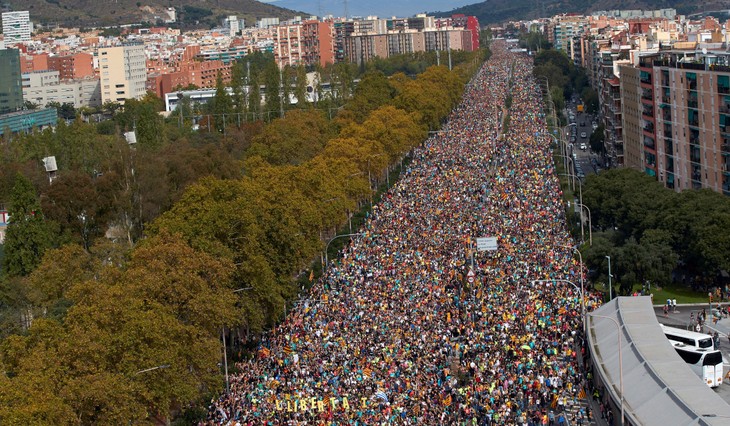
[
  {"x": 293, "y": 139},
  {"x": 222, "y": 105},
  {"x": 272, "y": 81},
  {"x": 28, "y": 234},
  {"x": 598, "y": 138},
  {"x": 372, "y": 92}
]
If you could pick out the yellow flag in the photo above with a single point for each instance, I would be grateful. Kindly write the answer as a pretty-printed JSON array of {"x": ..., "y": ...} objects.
[{"x": 311, "y": 276}]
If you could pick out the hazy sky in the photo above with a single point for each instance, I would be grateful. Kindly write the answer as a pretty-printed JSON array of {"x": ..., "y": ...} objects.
[{"x": 381, "y": 8}]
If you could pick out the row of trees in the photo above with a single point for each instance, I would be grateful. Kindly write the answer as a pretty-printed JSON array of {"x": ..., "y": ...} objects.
[
  {"x": 107, "y": 332},
  {"x": 654, "y": 234}
]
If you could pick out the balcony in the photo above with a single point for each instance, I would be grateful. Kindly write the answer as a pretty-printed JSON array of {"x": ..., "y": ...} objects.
[
  {"x": 692, "y": 85},
  {"x": 723, "y": 90}
]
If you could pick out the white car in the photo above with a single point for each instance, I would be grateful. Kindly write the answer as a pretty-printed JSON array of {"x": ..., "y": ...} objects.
[
  {"x": 583, "y": 134},
  {"x": 583, "y": 147},
  {"x": 595, "y": 126}
]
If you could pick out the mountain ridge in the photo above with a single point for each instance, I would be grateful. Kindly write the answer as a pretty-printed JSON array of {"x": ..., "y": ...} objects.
[{"x": 100, "y": 13}]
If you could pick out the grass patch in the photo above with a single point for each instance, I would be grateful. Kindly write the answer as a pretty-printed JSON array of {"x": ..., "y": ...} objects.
[{"x": 682, "y": 293}]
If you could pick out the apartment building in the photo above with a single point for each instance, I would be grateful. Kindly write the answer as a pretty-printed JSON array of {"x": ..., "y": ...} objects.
[
  {"x": 17, "y": 27},
  {"x": 11, "y": 92},
  {"x": 684, "y": 133},
  {"x": 72, "y": 66},
  {"x": 30, "y": 63},
  {"x": 123, "y": 72},
  {"x": 44, "y": 87}
]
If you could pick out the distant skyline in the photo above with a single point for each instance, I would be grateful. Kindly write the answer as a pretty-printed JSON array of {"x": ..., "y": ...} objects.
[{"x": 381, "y": 8}]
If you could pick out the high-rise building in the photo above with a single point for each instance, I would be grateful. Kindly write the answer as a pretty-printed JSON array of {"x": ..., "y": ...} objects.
[
  {"x": 123, "y": 72},
  {"x": 11, "y": 89},
  {"x": 680, "y": 130},
  {"x": 16, "y": 27},
  {"x": 73, "y": 66}
]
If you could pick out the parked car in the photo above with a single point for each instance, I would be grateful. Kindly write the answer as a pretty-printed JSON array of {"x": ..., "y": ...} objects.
[
  {"x": 583, "y": 134},
  {"x": 583, "y": 147}
]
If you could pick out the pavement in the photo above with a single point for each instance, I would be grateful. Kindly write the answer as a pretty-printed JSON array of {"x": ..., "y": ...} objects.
[{"x": 681, "y": 318}]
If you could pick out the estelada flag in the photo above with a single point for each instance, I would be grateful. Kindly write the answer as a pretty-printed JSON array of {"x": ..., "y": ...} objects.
[
  {"x": 582, "y": 394},
  {"x": 311, "y": 276},
  {"x": 447, "y": 401}
]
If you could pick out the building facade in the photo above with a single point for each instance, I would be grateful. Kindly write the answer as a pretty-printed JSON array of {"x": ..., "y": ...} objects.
[
  {"x": 123, "y": 72},
  {"x": 44, "y": 87},
  {"x": 684, "y": 134},
  {"x": 11, "y": 91},
  {"x": 73, "y": 66},
  {"x": 17, "y": 27}
]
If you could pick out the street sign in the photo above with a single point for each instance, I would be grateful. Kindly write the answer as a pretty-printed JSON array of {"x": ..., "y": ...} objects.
[
  {"x": 487, "y": 243},
  {"x": 470, "y": 276}
]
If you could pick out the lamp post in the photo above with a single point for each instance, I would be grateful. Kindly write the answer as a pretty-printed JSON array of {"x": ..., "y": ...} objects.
[
  {"x": 370, "y": 182},
  {"x": 620, "y": 362},
  {"x": 610, "y": 286},
  {"x": 225, "y": 351},
  {"x": 326, "y": 254},
  {"x": 590, "y": 223},
  {"x": 582, "y": 286},
  {"x": 582, "y": 298}
]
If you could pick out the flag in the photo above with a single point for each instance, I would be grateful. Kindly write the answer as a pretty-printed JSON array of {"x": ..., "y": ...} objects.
[
  {"x": 447, "y": 401},
  {"x": 380, "y": 394},
  {"x": 582, "y": 394},
  {"x": 367, "y": 373},
  {"x": 288, "y": 349},
  {"x": 555, "y": 402},
  {"x": 311, "y": 276}
]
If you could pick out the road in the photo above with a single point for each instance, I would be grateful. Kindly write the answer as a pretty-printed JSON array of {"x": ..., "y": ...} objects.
[
  {"x": 681, "y": 318},
  {"x": 589, "y": 162}
]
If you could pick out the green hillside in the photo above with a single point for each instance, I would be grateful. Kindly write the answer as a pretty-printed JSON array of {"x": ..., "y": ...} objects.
[
  {"x": 115, "y": 12},
  {"x": 494, "y": 11}
]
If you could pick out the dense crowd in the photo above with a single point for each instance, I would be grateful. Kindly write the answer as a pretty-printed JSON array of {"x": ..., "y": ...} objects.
[{"x": 395, "y": 332}]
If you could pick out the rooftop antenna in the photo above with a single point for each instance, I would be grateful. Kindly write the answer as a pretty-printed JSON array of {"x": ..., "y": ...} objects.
[
  {"x": 346, "y": 11},
  {"x": 319, "y": 8}
]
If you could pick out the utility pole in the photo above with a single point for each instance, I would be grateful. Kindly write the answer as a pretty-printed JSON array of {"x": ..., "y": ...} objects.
[{"x": 610, "y": 286}]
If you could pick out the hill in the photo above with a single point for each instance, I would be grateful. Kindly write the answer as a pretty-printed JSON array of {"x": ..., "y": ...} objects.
[
  {"x": 98, "y": 13},
  {"x": 494, "y": 11}
]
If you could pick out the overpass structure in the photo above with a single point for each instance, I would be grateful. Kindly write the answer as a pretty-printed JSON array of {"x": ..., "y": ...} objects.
[{"x": 658, "y": 387}]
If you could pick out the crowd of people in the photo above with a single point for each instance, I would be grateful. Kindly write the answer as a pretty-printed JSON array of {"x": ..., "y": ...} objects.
[{"x": 399, "y": 331}]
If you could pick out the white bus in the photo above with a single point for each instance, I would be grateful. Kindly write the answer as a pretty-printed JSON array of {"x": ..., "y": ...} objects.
[{"x": 697, "y": 350}]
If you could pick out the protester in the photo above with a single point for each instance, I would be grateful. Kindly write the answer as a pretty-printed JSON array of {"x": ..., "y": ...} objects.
[{"x": 395, "y": 332}]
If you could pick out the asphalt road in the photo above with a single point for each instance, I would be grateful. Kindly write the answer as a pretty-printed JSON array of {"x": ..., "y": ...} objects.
[{"x": 681, "y": 318}]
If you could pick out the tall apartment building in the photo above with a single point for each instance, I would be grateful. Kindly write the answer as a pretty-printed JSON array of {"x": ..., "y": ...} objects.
[
  {"x": 16, "y": 27},
  {"x": 73, "y": 66},
  {"x": 123, "y": 72},
  {"x": 287, "y": 45},
  {"x": 318, "y": 43},
  {"x": 11, "y": 92},
  {"x": 683, "y": 136}
]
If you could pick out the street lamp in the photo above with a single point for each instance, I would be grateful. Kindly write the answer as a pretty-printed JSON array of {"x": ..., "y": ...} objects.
[
  {"x": 326, "y": 254},
  {"x": 590, "y": 223},
  {"x": 582, "y": 298},
  {"x": 370, "y": 182},
  {"x": 620, "y": 361},
  {"x": 610, "y": 287},
  {"x": 225, "y": 351},
  {"x": 582, "y": 286}
]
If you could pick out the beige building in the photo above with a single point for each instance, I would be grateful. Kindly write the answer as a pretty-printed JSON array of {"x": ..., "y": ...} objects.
[
  {"x": 122, "y": 72},
  {"x": 43, "y": 87},
  {"x": 631, "y": 109}
]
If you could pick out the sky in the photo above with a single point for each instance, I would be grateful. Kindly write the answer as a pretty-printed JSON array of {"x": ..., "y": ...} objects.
[{"x": 380, "y": 8}]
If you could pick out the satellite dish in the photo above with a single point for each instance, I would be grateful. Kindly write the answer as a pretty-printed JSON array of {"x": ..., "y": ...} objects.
[{"x": 704, "y": 51}]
